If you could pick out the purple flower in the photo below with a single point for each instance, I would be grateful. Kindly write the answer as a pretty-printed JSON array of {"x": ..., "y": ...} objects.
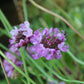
[
  {"x": 50, "y": 82},
  {"x": 8, "y": 67},
  {"x": 37, "y": 51},
  {"x": 21, "y": 36},
  {"x": 50, "y": 43}
]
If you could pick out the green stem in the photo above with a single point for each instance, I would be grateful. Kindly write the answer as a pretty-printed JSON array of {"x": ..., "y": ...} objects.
[
  {"x": 35, "y": 72},
  {"x": 12, "y": 63},
  {"x": 39, "y": 78},
  {"x": 24, "y": 81},
  {"x": 56, "y": 68},
  {"x": 63, "y": 79},
  {"x": 77, "y": 60},
  {"x": 25, "y": 10},
  {"x": 65, "y": 64},
  {"x": 5, "y": 26},
  {"x": 6, "y": 49},
  {"x": 63, "y": 69},
  {"x": 24, "y": 63},
  {"x": 5, "y": 32},
  {"x": 2, "y": 54},
  {"x": 41, "y": 69},
  {"x": 5, "y": 21}
]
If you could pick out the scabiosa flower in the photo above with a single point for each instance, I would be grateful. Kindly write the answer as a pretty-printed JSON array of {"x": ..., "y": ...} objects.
[
  {"x": 50, "y": 43},
  {"x": 21, "y": 36},
  {"x": 8, "y": 67}
]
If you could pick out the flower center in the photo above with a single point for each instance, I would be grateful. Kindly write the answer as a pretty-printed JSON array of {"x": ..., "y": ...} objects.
[
  {"x": 50, "y": 42},
  {"x": 20, "y": 36}
]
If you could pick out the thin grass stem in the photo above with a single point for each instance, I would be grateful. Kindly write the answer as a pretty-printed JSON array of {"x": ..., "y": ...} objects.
[{"x": 4, "y": 71}]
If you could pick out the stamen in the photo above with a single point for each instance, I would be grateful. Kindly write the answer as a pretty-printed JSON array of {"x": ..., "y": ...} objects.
[
  {"x": 20, "y": 36},
  {"x": 50, "y": 42}
]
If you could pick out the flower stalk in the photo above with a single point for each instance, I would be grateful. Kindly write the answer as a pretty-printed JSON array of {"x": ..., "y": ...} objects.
[
  {"x": 56, "y": 15},
  {"x": 4, "y": 71}
]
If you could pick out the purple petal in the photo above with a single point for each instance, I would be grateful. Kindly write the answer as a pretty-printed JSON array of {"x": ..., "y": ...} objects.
[{"x": 62, "y": 47}]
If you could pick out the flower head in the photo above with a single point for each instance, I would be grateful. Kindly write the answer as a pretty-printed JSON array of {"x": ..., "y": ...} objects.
[
  {"x": 49, "y": 44},
  {"x": 21, "y": 36},
  {"x": 8, "y": 67}
]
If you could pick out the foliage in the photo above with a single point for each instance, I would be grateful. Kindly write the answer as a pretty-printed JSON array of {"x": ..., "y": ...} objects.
[{"x": 42, "y": 71}]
